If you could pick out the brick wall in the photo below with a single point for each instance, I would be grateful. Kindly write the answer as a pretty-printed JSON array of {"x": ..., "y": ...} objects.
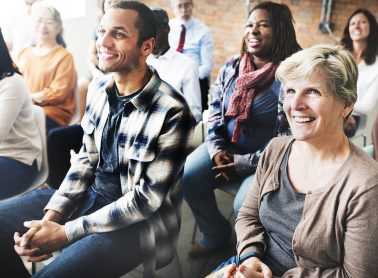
[{"x": 226, "y": 18}]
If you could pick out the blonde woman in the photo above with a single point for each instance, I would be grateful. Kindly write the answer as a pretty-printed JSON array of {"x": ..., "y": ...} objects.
[{"x": 312, "y": 211}]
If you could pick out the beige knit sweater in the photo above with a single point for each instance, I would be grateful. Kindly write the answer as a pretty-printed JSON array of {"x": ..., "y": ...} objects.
[{"x": 338, "y": 232}]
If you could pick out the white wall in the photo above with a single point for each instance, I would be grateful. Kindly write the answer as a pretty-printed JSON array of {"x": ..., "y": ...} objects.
[{"x": 78, "y": 32}]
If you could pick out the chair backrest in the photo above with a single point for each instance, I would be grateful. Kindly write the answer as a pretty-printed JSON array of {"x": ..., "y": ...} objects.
[
  {"x": 43, "y": 173},
  {"x": 369, "y": 149},
  {"x": 200, "y": 131}
]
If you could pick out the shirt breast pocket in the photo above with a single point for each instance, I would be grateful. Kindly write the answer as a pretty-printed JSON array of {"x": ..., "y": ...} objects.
[
  {"x": 138, "y": 154},
  {"x": 138, "y": 161},
  {"x": 89, "y": 138}
]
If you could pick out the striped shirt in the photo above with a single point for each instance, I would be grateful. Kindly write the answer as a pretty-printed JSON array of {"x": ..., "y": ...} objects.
[{"x": 152, "y": 144}]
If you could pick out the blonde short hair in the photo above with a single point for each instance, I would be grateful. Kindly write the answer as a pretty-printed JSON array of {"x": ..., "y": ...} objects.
[{"x": 335, "y": 62}]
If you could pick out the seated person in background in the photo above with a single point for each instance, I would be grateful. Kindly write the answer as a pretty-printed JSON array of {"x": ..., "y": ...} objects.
[
  {"x": 20, "y": 142},
  {"x": 120, "y": 203},
  {"x": 193, "y": 38},
  {"x": 361, "y": 38},
  {"x": 242, "y": 120},
  {"x": 49, "y": 68},
  {"x": 175, "y": 68},
  {"x": 312, "y": 211}
]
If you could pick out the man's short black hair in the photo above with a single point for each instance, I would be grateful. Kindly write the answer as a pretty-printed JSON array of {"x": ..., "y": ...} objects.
[
  {"x": 145, "y": 22},
  {"x": 161, "y": 16}
]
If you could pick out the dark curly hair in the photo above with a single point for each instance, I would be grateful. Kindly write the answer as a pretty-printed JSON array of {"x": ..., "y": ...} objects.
[{"x": 284, "y": 41}]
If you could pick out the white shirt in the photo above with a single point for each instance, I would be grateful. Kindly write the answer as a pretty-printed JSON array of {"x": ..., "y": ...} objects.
[
  {"x": 367, "y": 97},
  {"x": 182, "y": 74},
  {"x": 367, "y": 87},
  {"x": 199, "y": 44}
]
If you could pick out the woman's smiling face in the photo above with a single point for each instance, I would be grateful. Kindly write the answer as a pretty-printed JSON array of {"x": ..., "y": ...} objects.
[
  {"x": 258, "y": 34},
  {"x": 312, "y": 109}
]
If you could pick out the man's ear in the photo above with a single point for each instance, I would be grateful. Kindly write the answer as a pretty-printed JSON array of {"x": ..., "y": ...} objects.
[{"x": 147, "y": 46}]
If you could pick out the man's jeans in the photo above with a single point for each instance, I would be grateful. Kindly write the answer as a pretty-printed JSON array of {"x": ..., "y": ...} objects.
[{"x": 95, "y": 255}]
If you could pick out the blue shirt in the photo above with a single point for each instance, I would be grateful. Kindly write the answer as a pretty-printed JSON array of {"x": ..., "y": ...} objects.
[
  {"x": 199, "y": 44},
  {"x": 259, "y": 128}
]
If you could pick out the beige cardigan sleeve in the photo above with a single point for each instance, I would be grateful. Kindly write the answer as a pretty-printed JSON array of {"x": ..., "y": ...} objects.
[
  {"x": 249, "y": 230},
  {"x": 360, "y": 246}
]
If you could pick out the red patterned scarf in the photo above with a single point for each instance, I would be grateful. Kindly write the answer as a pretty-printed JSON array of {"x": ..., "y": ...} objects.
[{"x": 250, "y": 81}]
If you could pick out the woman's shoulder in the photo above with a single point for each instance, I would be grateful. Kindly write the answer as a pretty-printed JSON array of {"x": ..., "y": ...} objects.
[
  {"x": 229, "y": 68},
  {"x": 26, "y": 51},
  {"x": 232, "y": 61},
  {"x": 15, "y": 80},
  {"x": 365, "y": 161},
  {"x": 61, "y": 51},
  {"x": 373, "y": 68},
  {"x": 277, "y": 146},
  {"x": 280, "y": 142},
  {"x": 362, "y": 169},
  {"x": 14, "y": 85}
]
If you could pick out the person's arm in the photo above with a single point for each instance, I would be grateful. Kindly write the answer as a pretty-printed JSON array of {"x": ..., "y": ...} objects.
[
  {"x": 63, "y": 83},
  {"x": 48, "y": 235},
  {"x": 359, "y": 245},
  {"x": 12, "y": 97},
  {"x": 148, "y": 194},
  {"x": 366, "y": 104},
  {"x": 206, "y": 55},
  {"x": 216, "y": 141},
  {"x": 192, "y": 91},
  {"x": 249, "y": 230}
]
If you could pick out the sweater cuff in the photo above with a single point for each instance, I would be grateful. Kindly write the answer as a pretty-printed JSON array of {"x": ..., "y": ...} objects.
[
  {"x": 242, "y": 164},
  {"x": 246, "y": 256},
  {"x": 59, "y": 203},
  {"x": 74, "y": 229}
]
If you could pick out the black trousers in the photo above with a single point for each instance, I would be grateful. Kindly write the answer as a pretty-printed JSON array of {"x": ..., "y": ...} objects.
[
  {"x": 60, "y": 141},
  {"x": 205, "y": 86}
]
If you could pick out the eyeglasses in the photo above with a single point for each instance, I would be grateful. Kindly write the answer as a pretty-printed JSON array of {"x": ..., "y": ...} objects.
[{"x": 47, "y": 21}]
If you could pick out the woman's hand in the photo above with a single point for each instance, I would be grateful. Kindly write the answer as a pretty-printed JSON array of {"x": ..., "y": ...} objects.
[
  {"x": 250, "y": 268},
  {"x": 224, "y": 166},
  {"x": 38, "y": 98}
]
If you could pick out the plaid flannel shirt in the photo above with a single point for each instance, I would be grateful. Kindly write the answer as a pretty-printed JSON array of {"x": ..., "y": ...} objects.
[
  {"x": 152, "y": 144},
  {"x": 216, "y": 140}
]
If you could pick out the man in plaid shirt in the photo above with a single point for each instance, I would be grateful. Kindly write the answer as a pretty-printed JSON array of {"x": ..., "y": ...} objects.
[{"x": 119, "y": 204}]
